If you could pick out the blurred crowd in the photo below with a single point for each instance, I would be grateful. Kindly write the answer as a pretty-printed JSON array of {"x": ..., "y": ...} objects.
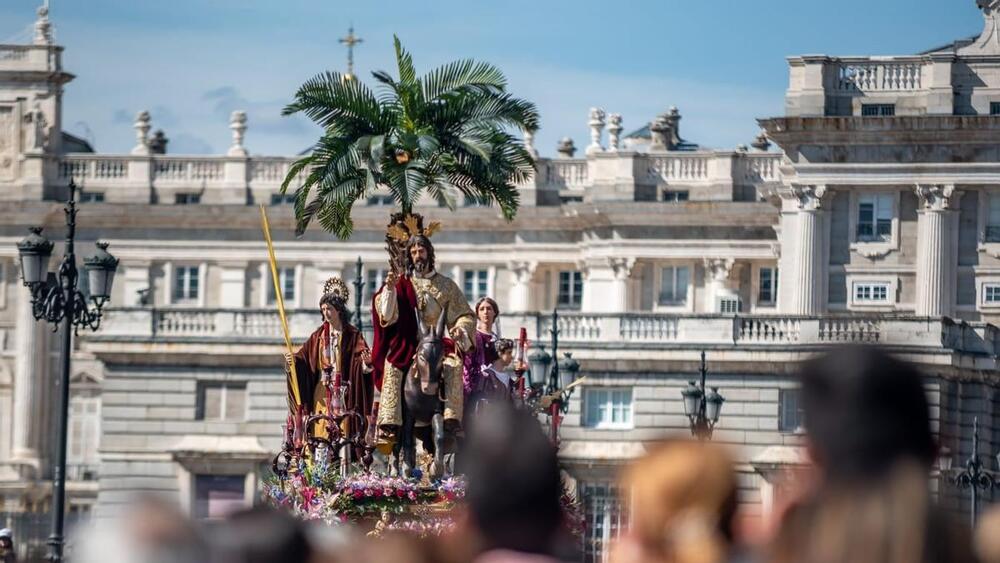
[{"x": 866, "y": 497}]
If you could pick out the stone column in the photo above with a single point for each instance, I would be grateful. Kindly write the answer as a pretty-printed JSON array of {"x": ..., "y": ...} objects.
[
  {"x": 28, "y": 376},
  {"x": 933, "y": 235},
  {"x": 719, "y": 283},
  {"x": 520, "y": 291},
  {"x": 620, "y": 287},
  {"x": 807, "y": 263}
]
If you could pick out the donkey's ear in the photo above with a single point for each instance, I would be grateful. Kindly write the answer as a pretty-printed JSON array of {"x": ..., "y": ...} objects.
[
  {"x": 442, "y": 320},
  {"x": 420, "y": 324}
]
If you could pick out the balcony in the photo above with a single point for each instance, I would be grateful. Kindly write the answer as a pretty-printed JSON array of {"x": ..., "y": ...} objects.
[{"x": 255, "y": 332}]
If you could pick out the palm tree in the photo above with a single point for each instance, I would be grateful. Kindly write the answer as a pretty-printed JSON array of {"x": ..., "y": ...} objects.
[{"x": 447, "y": 133}]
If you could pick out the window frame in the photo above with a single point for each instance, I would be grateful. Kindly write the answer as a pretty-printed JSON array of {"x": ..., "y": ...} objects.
[
  {"x": 675, "y": 196},
  {"x": 225, "y": 387},
  {"x": 660, "y": 278},
  {"x": 286, "y": 275},
  {"x": 606, "y": 513},
  {"x": 994, "y": 108},
  {"x": 91, "y": 197},
  {"x": 282, "y": 199},
  {"x": 881, "y": 204},
  {"x": 480, "y": 280},
  {"x": 878, "y": 110},
  {"x": 772, "y": 286},
  {"x": 875, "y": 247},
  {"x": 783, "y": 411},
  {"x": 178, "y": 297},
  {"x": 575, "y": 288},
  {"x": 596, "y": 397},
  {"x": 187, "y": 198}
]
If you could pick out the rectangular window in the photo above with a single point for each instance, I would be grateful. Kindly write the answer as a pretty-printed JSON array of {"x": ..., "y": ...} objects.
[
  {"x": 474, "y": 284},
  {"x": 729, "y": 305},
  {"x": 993, "y": 219},
  {"x": 767, "y": 290},
  {"x": 871, "y": 292},
  {"x": 218, "y": 496},
  {"x": 186, "y": 284},
  {"x": 991, "y": 294},
  {"x": 674, "y": 197},
  {"x": 373, "y": 282},
  {"x": 570, "y": 289},
  {"x": 994, "y": 108},
  {"x": 878, "y": 110},
  {"x": 84, "y": 436},
  {"x": 286, "y": 279},
  {"x": 606, "y": 518},
  {"x": 790, "y": 418},
  {"x": 674, "y": 281},
  {"x": 91, "y": 197},
  {"x": 222, "y": 402},
  {"x": 607, "y": 408},
  {"x": 282, "y": 199},
  {"x": 380, "y": 200},
  {"x": 187, "y": 199},
  {"x": 875, "y": 217}
]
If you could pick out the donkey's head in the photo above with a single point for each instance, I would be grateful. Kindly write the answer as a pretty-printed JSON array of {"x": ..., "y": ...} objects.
[{"x": 430, "y": 353}]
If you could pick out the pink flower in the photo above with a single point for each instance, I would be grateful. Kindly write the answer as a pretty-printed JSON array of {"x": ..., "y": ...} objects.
[
  {"x": 368, "y": 492},
  {"x": 413, "y": 495},
  {"x": 378, "y": 493},
  {"x": 358, "y": 494},
  {"x": 400, "y": 493}
]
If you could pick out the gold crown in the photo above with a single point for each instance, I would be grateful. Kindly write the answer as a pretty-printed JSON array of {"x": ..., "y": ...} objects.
[
  {"x": 401, "y": 233},
  {"x": 338, "y": 288}
]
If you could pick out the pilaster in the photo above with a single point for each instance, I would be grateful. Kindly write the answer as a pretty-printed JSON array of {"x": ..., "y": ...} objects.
[
  {"x": 803, "y": 207},
  {"x": 521, "y": 291}
]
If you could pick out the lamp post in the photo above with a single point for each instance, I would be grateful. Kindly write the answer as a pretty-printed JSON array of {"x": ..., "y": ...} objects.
[
  {"x": 974, "y": 477},
  {"x": 701, "y": 408},
  {"x": 554, "y": 376},
  {"x": 57, "y": 299}
]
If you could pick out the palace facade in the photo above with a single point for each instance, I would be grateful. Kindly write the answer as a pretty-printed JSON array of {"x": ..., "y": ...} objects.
[{"x": 869, "y": 212}]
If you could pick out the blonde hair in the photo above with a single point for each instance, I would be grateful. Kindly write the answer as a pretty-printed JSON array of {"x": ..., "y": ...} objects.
[{"x": 682, "y": 496}]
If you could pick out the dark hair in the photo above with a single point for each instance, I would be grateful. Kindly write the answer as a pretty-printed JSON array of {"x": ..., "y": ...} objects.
[
  {"x": 262, "y": 535},
  {"x": 865, "y": 411},
  {"x": 337, "y": 303},
  {"x": 504, "y": 345},
  {"x": 491, "y": 301},
  {"x": 517, "y": 508},
  {"x": 423, "y": 241}
]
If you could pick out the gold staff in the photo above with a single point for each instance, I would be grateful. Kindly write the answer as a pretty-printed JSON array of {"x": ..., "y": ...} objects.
[{"x": 281, "y": 304}]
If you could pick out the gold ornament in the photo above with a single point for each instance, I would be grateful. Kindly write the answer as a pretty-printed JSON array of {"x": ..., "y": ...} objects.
[
  {"x": 338, "y": 288},
  {"x": 410, "y": 227}
]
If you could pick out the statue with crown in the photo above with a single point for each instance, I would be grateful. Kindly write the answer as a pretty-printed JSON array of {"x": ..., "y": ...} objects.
[{"x": 443, "y": 137}]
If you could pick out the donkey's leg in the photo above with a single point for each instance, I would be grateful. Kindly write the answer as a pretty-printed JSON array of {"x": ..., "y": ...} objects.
[
  {"x": 409, "y": 448},
  {"x": 437, "y": 429}
]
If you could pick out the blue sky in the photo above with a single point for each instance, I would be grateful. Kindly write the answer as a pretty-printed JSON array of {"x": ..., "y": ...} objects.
[{"x": 191, "y": 62}]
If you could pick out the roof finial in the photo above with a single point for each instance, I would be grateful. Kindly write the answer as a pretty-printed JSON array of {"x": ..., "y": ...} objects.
[
  {"x": 43, "y": 27},
  {"x": 350, "y": 40}
]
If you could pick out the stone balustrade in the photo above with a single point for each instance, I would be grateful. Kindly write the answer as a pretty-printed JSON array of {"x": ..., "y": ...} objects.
[
  {"x": 579, "y": 330},
  {"x": 898, "y": 74},
  {"x": 134, "y": 177}
]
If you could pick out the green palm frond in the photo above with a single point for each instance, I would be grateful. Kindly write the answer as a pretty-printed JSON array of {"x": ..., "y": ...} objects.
[{"x": 446, "y": 134}]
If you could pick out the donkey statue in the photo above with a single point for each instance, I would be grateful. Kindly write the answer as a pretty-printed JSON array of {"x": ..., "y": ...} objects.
[{"x": 423, "y": 404}]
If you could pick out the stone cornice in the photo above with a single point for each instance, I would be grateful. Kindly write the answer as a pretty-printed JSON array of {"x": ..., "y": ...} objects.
[{"x": 854, "y": 130}]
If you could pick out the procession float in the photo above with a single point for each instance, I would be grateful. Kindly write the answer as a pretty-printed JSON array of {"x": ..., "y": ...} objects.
[{"x": 373, "y": 431}]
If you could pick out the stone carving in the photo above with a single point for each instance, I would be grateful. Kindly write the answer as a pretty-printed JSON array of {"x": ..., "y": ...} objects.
[
  {"x": 238, "y": 123},
  {"x": 142, "y": 126},
  {"x": 566, "y": 148},
  {"x": 622, "y": 267},
  {"x": 43, "y": 27},
  {"x": 529, "y": 143},
  {"x": 808, "y": 198},
  {"x": 36, "y": 129},
  {"x": 719, "y": 269},
  {"x": 596, "y": 124},
  {"x": 614, "y": 131},
  {"x": 523, "y": 271},
  {"x": 988, "y": 42},
  {"x": 761, "y": 142},
  {"x": 935, "y": 197},
  {"x": 659, "y": 134}
]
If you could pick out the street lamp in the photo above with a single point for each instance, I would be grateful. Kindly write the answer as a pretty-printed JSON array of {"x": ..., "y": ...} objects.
[
  {"x": 974, "y": 477},
  {"x": 701, "y": 408},
  {"x": 56, "y": 298},
  {"x": 538, "y": 366}
]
